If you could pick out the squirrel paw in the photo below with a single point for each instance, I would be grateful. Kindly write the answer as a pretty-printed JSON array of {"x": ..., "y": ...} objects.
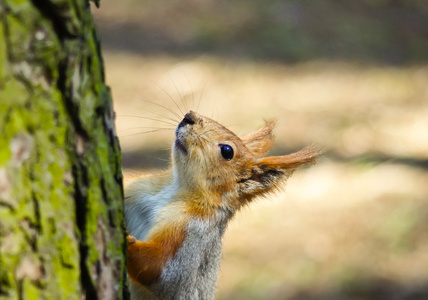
[{"x": 130, "y": 239}]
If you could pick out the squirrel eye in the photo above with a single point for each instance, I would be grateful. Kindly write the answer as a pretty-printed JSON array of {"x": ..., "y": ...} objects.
[{"x": 226, "y": 152}]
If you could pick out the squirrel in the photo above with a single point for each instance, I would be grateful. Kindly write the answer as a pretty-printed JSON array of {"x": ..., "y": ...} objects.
[{"x": 176, "y": 219}]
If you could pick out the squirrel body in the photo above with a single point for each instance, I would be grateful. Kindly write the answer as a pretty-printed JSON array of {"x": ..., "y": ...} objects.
[{"x": 176, "y": 219}]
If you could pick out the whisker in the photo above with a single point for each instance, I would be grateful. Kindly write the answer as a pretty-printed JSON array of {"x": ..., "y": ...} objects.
[
  {"x": 129, "y": 170},
  {"x": 165, "y": 107},
  {"x": 181, "y": 96},
  {"x": 162, "y": 116},
  {"x": 152, "y": 119},
  {"x": 174, "y": 117},
  {"x": 191, "y": 89},
  {"x": 200, "y": 97},
  {"x": 169, "y": 96},
  {"x": 144, "y": 132},
  {"x": 163, "y": 159},
  {"x": 145, "y": 127}
]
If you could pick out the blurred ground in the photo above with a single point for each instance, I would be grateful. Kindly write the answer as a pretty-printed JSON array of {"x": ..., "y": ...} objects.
[{"x": 354, "y": 226}]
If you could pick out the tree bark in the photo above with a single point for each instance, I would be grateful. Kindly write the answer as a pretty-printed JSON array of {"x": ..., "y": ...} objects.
[{"x": 61, "y": 198}]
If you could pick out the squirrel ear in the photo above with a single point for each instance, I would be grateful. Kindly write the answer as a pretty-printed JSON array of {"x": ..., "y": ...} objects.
[
  {"x": 268, "y": 173},
  {"x": 260, "y": 141},
  {"x": 292, "y": 161}
]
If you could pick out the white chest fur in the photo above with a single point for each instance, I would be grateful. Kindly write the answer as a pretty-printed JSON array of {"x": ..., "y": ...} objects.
[
  {"x": 192, "y": 273},
  {"x": 141, "y": 211}
]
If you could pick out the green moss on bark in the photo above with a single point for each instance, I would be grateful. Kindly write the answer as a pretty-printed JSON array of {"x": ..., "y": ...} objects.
[{"x": 61, "y": 208}]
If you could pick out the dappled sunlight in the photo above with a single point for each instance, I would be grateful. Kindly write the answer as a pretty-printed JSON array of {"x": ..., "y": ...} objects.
[{"x": 353, "y": 223}]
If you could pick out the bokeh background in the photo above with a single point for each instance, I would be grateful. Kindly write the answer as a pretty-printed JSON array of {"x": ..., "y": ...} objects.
[{"x": 350, "y": 75}]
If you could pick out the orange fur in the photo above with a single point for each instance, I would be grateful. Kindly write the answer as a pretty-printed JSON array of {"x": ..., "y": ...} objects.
[
  {"x": 305, "y": 156},
  {"x": 202, "y": 206},
  {"x": 201, "y": 183},
  {"x": 147, "y": 259},
  {"x": 260, "y": 141}
]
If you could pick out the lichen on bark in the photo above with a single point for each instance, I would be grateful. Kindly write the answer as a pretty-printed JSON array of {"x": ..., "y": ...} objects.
[{"x": 61, "y": 206}]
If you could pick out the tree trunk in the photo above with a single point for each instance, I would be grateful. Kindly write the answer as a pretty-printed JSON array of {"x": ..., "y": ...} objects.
[{"x": 61, "y": 200}]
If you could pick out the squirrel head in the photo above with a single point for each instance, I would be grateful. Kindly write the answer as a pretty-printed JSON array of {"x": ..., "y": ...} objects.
[{"x": 210, "y": 159}]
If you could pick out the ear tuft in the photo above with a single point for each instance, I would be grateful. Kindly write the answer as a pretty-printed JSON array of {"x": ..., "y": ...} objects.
[
  {"x": 268, "y": 173},
  {"x": 306, "y": 156},
  {"x": 260, "y": 141}
]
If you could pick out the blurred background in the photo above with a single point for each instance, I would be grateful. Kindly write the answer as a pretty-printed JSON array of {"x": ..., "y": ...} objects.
[{"x": 350, "y": 75}]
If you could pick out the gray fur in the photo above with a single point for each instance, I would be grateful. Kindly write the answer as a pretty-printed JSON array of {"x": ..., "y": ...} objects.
[{"x": 192, "y": 273}]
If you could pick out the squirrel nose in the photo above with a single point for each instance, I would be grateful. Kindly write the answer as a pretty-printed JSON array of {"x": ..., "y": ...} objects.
[{"x": 189, "y": 118}]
